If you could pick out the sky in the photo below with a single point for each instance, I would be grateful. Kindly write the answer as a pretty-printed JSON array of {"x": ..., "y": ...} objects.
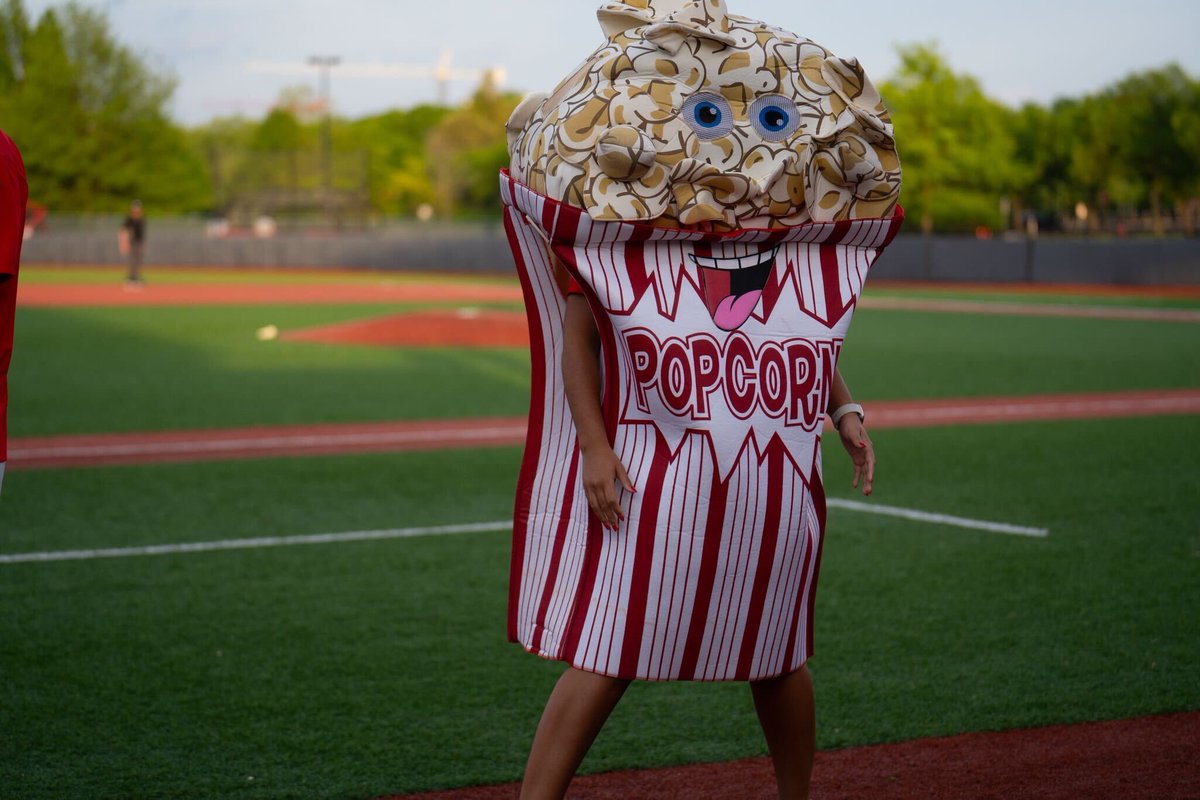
[{"x": 235, "y": 56}]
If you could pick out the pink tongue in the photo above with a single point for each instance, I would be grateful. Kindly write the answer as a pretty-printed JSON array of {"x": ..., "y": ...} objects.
[{"x": 733, "y": 311}]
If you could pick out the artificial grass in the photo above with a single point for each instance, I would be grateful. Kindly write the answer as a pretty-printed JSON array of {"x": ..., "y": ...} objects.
[
  {"x": 115, "y": 274},
  {"x": 161, "y": 504},
  {"x": 132, "y": 369},
  {"x": 1046, "y": 294},
  {"x": 356, "y": 670},
  {"x": 903, "y": 354},
  {"x": 128, "y": 369}
]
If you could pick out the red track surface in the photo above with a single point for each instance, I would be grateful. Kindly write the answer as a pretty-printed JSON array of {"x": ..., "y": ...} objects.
[
  {"x": 306, "y": 440},
  {"x": 1154, "y": 758},
  {"x": 463, "y": 327}
]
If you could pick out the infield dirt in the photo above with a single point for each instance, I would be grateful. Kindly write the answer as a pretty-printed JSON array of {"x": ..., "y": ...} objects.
[{"x": 1151, "y": 758}]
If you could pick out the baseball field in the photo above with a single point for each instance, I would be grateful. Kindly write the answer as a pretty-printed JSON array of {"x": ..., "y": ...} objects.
[{"x": 253, "y": 544}]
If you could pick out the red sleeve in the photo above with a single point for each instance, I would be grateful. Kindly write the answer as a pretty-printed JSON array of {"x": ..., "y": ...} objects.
[
  {"x": 573, "y": 286},
  {"x": 13, "y": 195}
]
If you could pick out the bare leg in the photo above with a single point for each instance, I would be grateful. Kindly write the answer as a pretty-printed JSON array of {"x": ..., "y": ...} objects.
[
  {"x": 787, "y": 715},
  {"x": 575, "y": 713}
]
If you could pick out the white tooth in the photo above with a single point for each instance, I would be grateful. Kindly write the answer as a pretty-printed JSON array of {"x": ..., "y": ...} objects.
[{"x": 731, "y": 260}]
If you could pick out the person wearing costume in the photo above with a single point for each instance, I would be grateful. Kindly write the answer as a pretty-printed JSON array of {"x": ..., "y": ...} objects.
[
  {"x": 14, "y": 194},
  {"x": 693, "y": 214}
]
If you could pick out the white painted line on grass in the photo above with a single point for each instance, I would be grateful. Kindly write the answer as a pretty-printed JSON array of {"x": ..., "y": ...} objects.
[
  {"x": 938, "y": 519},
  {"x": 449, "y": 530},
  {"x": 255, "y": 544}
]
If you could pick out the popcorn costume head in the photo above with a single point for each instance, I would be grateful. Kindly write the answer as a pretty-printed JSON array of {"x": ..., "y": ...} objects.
[{"x": 719, "y": 189}]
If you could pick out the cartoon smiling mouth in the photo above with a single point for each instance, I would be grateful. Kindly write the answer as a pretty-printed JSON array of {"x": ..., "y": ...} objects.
[{"x": 734, "y": 281}]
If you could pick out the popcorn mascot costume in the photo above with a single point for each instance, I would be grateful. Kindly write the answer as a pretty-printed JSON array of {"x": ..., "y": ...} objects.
[{"x": 716, "y": 190}]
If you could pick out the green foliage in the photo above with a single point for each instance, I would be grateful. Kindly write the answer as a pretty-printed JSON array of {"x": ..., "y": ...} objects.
[
  {"x": 401, "y": 175},
  {"x": 968, "y": 158},
  {"x": 1146, "y": 124},
  {"x": 467, "y": 151},
  {"x": 956, "y": 144},
  {"x": 90, "y": 116}
]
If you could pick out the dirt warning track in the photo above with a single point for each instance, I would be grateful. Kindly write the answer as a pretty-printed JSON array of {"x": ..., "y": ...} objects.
[
  {"x": 1148, "y": 758},
  {"x": 277, "y": 441}
]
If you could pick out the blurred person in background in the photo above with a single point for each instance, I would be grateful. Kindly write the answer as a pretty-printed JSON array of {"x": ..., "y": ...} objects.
[
  {"x": 14, "y": 194},
  {"x": 132, "y": 241}
]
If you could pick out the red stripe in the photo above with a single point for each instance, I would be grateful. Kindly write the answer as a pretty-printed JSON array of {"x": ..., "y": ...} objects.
[
  {"x": 648, "y": 524},
  {"x": 894, "y": 226},
  {"x": 802, "y": 592},
  {"x": 840, "y": 232},
  {"x": 534, "y": 434},
  {"x": 566, "y": 228},
  {"x": 818, "y": 496},
  {"x": 643, "y": 557},
  {"x": 610, "y": 407},
  {"x": 560, "y": 538},
  {"x": 634, "y": 258},
  {"x": 835, "y": 304},
  {"x": 766, "y": 557},
  {"x": 714, "y": 529}
]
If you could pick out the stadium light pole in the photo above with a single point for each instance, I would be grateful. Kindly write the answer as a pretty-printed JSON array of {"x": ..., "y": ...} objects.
[{"x": 325, "y": 65}]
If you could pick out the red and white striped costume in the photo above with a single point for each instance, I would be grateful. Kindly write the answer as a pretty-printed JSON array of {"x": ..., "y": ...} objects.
[{"x": 717, "y": 354}]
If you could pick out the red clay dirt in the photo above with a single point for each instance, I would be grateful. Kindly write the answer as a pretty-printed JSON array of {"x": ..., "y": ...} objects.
[
  {"x": 462, "y": 327},
  {"x": 53, "y": 452},
  {"x": 1152, "y": 758},
  {"x": 273, "y": 441}
]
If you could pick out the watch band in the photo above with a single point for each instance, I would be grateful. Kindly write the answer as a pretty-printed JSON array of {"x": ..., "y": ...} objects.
[{"x": 843, "y": 410}]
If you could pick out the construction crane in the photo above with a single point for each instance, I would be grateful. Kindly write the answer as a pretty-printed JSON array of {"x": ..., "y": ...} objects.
[{"x": 443, "y": 72}]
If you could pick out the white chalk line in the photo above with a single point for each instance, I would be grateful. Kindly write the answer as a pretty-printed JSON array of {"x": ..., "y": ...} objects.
[
  {"x": 263, "y": 542},
  {"x": 255, "y": 544},
  {"x": 938, "y": 519}
]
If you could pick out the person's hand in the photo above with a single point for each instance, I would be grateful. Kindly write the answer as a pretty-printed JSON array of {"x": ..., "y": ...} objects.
[
  {"x": 862, "y": 452},
  {"x": 601, "y": 471}
]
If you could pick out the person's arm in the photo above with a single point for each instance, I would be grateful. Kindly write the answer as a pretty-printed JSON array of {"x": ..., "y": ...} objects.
[
  {"x": 581, "y": 379},
  {"x": 853, "y": 434}
]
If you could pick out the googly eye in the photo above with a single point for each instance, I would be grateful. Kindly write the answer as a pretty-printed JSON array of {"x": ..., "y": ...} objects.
[
  {"x": 774, "y": 117},
  {"x": 708, "y": 114}
]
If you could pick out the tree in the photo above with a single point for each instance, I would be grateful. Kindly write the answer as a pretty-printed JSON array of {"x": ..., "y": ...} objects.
[
  {"x": 14, "y": 31},
  {"x": 956, "y": 144},
  {"x": 467, "y": 150},
  {"x": 401, "y": 174},
  {"x": 91, "y": 116},
  {"x": 1145, "y": 147}
]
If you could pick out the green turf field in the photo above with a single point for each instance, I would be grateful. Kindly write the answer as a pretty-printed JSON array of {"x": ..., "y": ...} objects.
[
  {"x": 108, "y": 274},
  {"x": 358, "y": 670}
]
